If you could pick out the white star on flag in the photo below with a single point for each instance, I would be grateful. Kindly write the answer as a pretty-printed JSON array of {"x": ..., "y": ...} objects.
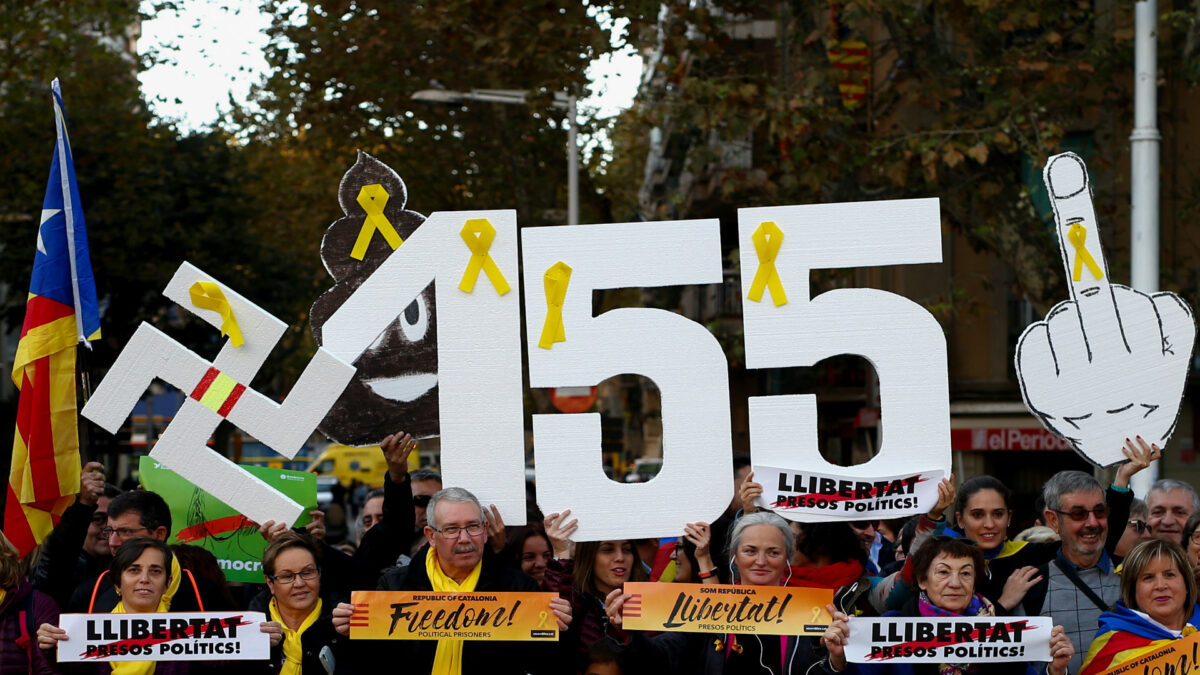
[{"x": 47, "y": 214}]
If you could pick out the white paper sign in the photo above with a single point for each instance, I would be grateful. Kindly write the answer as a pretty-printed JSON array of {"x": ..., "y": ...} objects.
[
  {"x": 798, "y": 494},
  {"x": 979, "y": 639},
  {"x": 167, "y": 636},
  {"x": 1110, "y": 363}
]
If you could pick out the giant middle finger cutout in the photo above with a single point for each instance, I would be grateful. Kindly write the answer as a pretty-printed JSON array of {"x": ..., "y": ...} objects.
[{"x": 1110, "y": 362}]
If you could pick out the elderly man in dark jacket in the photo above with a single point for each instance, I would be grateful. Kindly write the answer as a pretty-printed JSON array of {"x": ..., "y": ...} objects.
[{"x": 458, "y": 533}]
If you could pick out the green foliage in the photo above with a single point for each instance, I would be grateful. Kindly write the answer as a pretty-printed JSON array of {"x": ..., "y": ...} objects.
[{"x": 961, "y": 92}]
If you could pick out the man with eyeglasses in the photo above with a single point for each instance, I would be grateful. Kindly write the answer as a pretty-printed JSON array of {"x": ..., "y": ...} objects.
[
  {"x": 458, "y": 558},
  {"x": 1080, "y": 583},
  {"x": 425, "y": 484},
  {"x": 134, "y": 514},
  {"x": 75, "y": 548}
]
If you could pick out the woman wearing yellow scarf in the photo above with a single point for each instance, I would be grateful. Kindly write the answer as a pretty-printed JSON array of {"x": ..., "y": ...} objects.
[
  {"x": 146, "y": 576},
  {"x": 301, "y": 622}
]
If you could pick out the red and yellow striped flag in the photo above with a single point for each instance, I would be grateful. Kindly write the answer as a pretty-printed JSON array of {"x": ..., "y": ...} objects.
[{"x": 61, "y": 311}]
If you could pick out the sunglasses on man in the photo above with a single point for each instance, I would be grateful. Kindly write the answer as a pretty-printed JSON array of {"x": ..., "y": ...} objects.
[{"x": 1080, "y": 514}]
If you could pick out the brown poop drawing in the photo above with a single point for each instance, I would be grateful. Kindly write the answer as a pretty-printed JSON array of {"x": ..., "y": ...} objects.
[{"x": 396, "y": 384}]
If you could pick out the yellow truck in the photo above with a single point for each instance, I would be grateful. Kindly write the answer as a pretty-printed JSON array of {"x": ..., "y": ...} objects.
[{"x": 347, "y": 464}]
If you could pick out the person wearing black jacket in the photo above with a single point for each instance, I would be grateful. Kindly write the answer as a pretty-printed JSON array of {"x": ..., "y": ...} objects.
[
  {"x": 458, "y": 558},
  {"x": 75, "y": 549}
]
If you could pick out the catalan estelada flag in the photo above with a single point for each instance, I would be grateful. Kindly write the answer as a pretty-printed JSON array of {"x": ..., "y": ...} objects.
[{"x": 61, "y": 312}]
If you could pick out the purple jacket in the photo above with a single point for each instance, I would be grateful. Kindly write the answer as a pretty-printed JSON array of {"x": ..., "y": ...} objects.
[{"x": 22, "y": 611}]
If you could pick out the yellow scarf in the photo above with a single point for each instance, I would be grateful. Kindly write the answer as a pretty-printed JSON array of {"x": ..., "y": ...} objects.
[
  {"x": 293, "y": 648},
  {"x": 448, "y": 660},
  {"x": 164, "y": 605}
]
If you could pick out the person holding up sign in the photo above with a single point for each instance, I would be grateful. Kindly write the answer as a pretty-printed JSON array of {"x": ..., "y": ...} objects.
[
  {"x": 1158, "y": 605},
  {"x": 585, "y": 577},
  {"x": 458, "y": 559},
  {"x": 301, "y": 624},
  {"x": 760, "y": 546},
  {"x": 141, "y": 574},
  {"x": 946, "y": 570}
]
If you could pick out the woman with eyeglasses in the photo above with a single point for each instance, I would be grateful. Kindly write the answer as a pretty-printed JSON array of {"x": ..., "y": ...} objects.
[
  {"x": 301, "y": 624},
  {"x": 584, "y": 574},
  {"x": 141, "y": 573},
  {"x": 1158, "y": 605},
  {"x": 946, "y": 571},
  {"x": 1137, "y": 528}
]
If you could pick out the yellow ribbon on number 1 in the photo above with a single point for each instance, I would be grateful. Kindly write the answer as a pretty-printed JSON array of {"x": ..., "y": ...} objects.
[
  {"x": 373, "y": 198},
  {"x": 767, "y": 240},
  {"x": 556, "y": 280},
  {"x": 1077, "y": 235},
  {"x": 479, "y": 234},
  {"x": 207, "y": 295}
]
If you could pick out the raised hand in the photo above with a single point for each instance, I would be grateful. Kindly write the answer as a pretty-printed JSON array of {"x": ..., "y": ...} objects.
[
  {"x": 396, "y": 449},
  {"x": 1109, "y": 363},
  {"x": 748, "y": 493},
  {"x": 559, "y": 531},
  {"x": 835, "y": 638},
  {"x": 497, "y": 535},
  {"x": 91, "y": 483},
  {"x": 946, "y": 494}
]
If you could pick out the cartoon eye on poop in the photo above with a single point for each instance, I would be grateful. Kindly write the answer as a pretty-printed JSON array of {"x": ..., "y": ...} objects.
[{"x": 396, "y": 381}]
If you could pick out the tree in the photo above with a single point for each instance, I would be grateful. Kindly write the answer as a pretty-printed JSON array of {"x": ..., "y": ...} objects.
[{"x": 970, "y": 96}]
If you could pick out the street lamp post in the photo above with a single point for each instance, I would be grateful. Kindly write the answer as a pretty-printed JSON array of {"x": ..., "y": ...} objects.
[{"x": 517, "y": 97}]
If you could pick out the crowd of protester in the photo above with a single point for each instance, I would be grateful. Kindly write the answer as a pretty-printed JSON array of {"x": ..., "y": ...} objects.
[{"x": 1116, "y": 574}]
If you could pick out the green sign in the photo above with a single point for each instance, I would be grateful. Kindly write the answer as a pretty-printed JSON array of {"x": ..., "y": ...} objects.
[{"x": 200, "y": 519}]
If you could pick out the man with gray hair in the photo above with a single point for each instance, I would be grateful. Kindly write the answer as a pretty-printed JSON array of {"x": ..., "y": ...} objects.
[
  {"x": 459, "y": 560},
  {"x": 1171, "y": 503},
  {"x": 1080, "y": 583}
]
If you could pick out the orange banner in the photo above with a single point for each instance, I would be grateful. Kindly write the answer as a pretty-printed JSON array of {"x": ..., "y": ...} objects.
[
  {"x": 717, "y": 608},
  {"x": 429, "y": 615},
  {"x": 1178, "y": 657}
]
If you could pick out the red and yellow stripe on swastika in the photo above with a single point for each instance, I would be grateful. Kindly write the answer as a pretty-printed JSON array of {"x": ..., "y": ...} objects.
[{"x": 218, "y": 392}]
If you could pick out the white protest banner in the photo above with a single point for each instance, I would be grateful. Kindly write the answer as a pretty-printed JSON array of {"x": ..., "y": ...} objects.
[
  {"x": 973, "y": 639},
  {"x": 786, "y": 326},
  {"x": 798, "y": 494},
  {"x": 1111, "y": 362},
  {"x": 167, "y": 636}
]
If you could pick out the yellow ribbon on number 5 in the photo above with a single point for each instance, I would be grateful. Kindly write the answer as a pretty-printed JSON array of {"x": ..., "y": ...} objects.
[
  {"x": 1077, "y": 235},
  {"x": 767, "y": 240},
  {"x": 479, "y": 233},
  {"x": 373, "y": 198},
  {"x": 556, "y": 280},
  {"x": 207, "y": 295}
]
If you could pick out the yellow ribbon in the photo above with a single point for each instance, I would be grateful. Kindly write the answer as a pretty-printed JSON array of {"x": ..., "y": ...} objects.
[
  {"x": 1077, "y": 235},
  {"x": 479, "y": 234},
  {"x": 767, "y": 240},
  {"x": 555, "y": 280},
  {"x": 373, "y": 198},
  {"x": 207, "y": 295}
]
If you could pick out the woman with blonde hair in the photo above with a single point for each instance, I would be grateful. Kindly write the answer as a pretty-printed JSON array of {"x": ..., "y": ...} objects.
[{"x": 1157, "y": 605}]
